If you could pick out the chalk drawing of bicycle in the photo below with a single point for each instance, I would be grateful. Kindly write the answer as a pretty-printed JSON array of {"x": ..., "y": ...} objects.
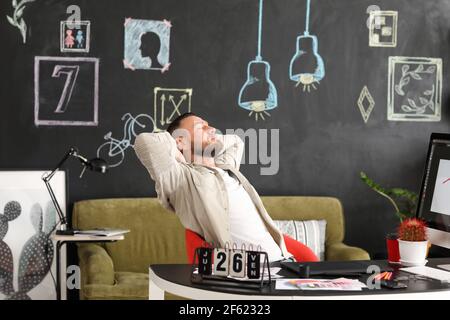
[{"x": 113, "y": 150}]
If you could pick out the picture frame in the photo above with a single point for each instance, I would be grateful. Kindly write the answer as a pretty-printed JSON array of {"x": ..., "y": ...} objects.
[
  {"x": 61, "y": 75},
  {"x": 79, "y": 37},
  {"x": 414, "y": 89},
  {"x": 27, "y": 220},
  {"x": 383, "y": 28}
]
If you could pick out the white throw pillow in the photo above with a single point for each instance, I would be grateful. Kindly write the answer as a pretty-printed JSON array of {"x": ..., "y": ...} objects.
[{"x": 309, "y": 232}]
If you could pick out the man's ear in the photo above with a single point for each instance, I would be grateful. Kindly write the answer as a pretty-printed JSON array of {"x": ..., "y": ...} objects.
[
  {"x": 179, "y": 142},
  {"x": 181, "y": 137},
  {"x": 179, "y": 153}
]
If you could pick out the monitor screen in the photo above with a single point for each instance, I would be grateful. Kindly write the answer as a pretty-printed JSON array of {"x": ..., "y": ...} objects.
[{"x": 434, "y": 199}]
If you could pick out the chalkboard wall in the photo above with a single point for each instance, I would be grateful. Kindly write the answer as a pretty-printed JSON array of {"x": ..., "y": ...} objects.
[{"x": 324, "y": 140}]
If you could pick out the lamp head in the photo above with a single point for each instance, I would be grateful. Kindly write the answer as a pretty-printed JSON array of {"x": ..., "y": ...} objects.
[{"x": 97, "y": 165}]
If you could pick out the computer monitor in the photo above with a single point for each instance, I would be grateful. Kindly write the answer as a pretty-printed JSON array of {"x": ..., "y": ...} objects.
[{"x": 434, "y": 199}]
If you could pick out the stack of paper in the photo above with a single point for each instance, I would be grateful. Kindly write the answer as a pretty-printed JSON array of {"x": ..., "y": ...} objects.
[
  {"x": 342, "y": 284},
  {"x": 107, "y": 232}
]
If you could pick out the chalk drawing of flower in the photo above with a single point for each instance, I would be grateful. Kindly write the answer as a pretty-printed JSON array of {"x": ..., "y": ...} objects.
[{"x": 17, "y": 19}]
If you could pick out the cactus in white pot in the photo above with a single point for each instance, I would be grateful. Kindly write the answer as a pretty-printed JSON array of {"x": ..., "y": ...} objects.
[{"x": 413, "y": 242}]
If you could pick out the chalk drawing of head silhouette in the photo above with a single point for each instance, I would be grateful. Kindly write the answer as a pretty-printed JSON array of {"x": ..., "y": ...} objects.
[
  {"x": 150, "y": 50},
  {"x": 146, "y": 44}
]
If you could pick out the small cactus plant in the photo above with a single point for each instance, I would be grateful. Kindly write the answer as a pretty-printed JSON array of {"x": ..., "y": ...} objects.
[{"x": 412, "y": 229}]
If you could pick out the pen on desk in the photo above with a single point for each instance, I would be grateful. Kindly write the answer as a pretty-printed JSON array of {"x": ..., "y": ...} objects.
[
  {"x": 379, "y": 276},
  {"x": 388, "y": 276}
]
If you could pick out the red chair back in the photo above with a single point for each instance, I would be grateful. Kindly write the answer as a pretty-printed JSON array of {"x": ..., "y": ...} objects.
[{"x": 193, "y": 241}]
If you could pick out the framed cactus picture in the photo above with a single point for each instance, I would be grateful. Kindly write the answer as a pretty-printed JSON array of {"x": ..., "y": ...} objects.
[{"x": 27, "y": 220}]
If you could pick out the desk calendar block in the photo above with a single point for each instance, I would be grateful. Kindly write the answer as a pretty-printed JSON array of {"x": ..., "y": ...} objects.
[
  {"x": 237, "y": 263},
  {"x": 253, "y": 264},
  {"x": 205, "y": 261},
  {"x": 221, "y": 262}
]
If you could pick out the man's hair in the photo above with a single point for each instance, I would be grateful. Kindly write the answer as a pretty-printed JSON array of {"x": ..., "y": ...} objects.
[{"x": 175, "y": 124}]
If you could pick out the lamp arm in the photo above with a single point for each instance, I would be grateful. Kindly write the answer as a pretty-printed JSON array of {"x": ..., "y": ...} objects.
[
  {"x": 71, "y": 152},
  {"x": 47, "y": 177},
  {"x": 62, "y": 218},
  {"x": 81, "y": 158}
]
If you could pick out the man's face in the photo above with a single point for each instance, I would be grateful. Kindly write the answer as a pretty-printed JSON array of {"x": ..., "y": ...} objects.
[{"x": 200, "y": 135}]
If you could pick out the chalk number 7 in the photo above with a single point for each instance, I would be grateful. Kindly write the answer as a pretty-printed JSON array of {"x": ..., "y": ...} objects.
[{"x": 71, "y": 73}]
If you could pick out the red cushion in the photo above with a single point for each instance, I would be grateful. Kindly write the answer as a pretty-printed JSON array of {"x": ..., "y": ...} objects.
[
  {"x": 193, "y": 241},
  {"x": 300, "y": 252},
  {"x": 297, "y": 249}
]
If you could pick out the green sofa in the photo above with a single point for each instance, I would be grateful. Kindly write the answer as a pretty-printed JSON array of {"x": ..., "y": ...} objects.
[{"x": 119, "y": 270}]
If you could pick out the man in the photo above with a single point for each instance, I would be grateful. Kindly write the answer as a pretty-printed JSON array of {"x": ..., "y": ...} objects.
[{"x": 196, "y": 172}]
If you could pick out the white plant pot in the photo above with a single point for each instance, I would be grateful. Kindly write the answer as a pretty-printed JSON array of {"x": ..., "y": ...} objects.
[{"x": 413, "y": 251}]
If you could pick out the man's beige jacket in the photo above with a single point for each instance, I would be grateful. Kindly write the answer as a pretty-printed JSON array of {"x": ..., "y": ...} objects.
[{"x": 195, "y": 192}]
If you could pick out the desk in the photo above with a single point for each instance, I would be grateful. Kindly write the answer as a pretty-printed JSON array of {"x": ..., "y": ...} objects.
[
  {"x": 62, "y": 240},
  {"x": 176, "y": 280}
]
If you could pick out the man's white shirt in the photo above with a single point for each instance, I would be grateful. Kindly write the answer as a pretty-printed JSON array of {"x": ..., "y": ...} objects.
[{"x": 246, "y": 225}]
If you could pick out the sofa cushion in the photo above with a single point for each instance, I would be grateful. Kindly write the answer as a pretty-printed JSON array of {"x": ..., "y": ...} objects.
[
  {"x": 96, "y": 264},
  {"x": 310, "y": 232},
  {"x": 156, "y": 234},
  {"x": 309, "y": 208},
  {"x": 127, "y": 285}
]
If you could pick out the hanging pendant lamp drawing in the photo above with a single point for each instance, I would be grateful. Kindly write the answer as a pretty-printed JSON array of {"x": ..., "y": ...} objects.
[
  {"x": 307, "y": 67},
  {"x": 258, "y": 94}
]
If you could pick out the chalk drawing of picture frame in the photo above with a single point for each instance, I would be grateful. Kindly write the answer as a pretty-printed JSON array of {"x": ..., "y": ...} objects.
[
  {"x": 147, "y": 44},
  {"x": 75, "y": 36},
  {"x": 170, "y": 103},
  {"x": 414, "y": 89},
  {"x": 27, "y": 219},
  {"x": 383, "y": 28},
  {"x": 66, "y": 91}
]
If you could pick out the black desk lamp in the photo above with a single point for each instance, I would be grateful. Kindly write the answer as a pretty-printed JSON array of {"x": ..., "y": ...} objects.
[{"x": 96, "y": 164}]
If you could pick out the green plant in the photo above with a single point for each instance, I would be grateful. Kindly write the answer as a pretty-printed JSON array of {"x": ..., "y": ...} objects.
[
  {"x": 403, "y": 200},
  {"x": 412, "y": 230}
]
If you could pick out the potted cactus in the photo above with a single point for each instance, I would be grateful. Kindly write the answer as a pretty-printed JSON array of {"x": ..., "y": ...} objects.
[
  {"x": 413, "y": 242},
  {"x": 404, "y": 203}
]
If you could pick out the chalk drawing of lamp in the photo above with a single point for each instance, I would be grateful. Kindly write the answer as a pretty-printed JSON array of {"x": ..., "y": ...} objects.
[
  {"x": 258, "y": 94},
  {"x": 306, "y": 66}
]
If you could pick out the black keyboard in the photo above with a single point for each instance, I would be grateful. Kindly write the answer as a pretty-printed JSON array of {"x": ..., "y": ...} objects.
[{"x": 338, "y": 268}]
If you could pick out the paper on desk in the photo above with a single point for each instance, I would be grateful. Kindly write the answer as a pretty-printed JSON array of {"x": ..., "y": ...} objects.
[
  {"x": 340, "y": 284},
  {"x": 273, "y": 274},
  {"x": 433, "y": 273}
]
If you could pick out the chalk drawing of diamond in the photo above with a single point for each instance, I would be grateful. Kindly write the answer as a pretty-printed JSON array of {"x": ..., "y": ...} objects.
[{"x": 365, "y": 96}]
